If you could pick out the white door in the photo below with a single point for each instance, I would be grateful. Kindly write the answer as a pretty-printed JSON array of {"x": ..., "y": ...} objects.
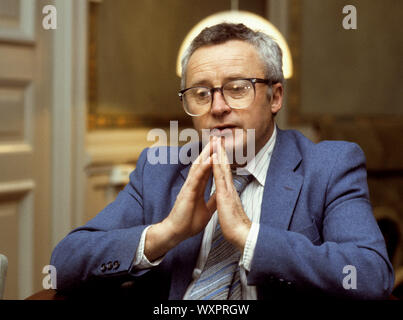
[{"x": 25, "y": 139}]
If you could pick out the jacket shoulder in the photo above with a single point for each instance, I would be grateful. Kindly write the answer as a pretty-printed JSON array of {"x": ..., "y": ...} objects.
[{"x": 325, "y": 149}]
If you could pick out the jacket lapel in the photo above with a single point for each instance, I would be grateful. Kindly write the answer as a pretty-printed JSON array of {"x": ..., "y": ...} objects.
[{"x": 283, "y": 183}]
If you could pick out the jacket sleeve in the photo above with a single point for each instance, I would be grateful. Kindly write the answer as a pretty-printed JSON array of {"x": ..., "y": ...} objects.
[
  {"x": 351, "y": 240},
  {"x": 104, "y": 247}
]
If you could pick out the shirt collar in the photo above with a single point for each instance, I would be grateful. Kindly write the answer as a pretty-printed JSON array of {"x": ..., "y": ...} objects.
[{"x": 260, "y": 163}]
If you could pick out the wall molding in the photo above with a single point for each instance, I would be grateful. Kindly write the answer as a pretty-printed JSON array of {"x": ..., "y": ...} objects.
[
  {"x": 21, "y": 192},
  {"x": 115, "y": 146},
  {"x": 16, "y": 187},
  {"x": 69, "y": 117},
  {"x": 25, "y": 30},
  {"x": 62, "y": 122}
]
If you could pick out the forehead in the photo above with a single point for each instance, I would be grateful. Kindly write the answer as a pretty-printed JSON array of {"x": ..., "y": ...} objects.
[{"x": 231, "y": 59}]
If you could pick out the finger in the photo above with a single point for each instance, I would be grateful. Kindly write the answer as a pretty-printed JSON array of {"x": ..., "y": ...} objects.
[
  {"x": 198, "y": 176},
  {"x": 223, "y": 153},
  {"x": 201, "y": 164},
  {"x": 202, "y": 183},
  {"x": 218, "y": 175},
  {"x": 212, "y": 204},
  {"x": 225, "y": 167},
  {"x": 220, "y": 149},
  {"x": 220, "y": 164},
  {"x": 206, "y": 152}
]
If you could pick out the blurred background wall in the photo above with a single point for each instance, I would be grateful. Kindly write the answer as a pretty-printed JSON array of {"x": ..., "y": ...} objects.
[{"x": 76, "y": 104}]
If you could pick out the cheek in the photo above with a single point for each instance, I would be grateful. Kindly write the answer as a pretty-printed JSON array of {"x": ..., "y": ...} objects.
[
  {"x": 259, "y": 119},
  {"x": 260, "y": 114},
  {"x": 197, "y": 123}
]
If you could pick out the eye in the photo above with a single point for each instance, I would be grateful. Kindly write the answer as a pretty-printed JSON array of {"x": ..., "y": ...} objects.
[
  {"x": 198, "y": 95},
  {"x": 201, "y": 93},
  {"x": 238, "y": 88}
]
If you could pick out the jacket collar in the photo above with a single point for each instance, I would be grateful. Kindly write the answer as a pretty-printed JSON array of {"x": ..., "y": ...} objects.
[{"x": 283, "y": 182}]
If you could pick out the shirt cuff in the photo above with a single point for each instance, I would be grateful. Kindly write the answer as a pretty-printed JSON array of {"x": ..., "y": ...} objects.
[
  {"x": 250, "y": 245},
  {"x": 140, "y": 260}
]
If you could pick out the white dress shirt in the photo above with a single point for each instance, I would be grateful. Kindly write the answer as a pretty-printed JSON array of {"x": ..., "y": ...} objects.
[{"x": 251, "y": 199}]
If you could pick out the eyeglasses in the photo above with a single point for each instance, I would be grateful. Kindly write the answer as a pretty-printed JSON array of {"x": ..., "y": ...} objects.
[{"x": 238, "y": 94}]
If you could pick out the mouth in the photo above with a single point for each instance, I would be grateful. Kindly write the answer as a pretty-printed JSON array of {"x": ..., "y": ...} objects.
[{"x": 222, "y": 130}]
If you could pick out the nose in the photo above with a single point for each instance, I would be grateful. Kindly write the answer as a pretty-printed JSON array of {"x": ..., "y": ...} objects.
[{"x": 218, "y": 106}]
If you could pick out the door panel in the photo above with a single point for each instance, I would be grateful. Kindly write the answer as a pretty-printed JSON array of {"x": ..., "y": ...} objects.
[{"x": 24, "y": 145}]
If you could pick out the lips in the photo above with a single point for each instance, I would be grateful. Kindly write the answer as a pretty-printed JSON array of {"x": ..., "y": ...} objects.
[{"x": 223, "y": 130}]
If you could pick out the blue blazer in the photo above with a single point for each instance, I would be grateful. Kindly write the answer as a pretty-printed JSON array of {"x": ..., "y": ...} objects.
[{"x": 316, "y": 219}]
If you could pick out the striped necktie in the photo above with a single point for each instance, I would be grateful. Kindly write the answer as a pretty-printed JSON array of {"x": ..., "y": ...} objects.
[{"x": 220, "y": 279}]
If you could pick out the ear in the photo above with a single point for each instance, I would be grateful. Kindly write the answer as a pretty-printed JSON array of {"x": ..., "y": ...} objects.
[{"x": 277, "y": 100}]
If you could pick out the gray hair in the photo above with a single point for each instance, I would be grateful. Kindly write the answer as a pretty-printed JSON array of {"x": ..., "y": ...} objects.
[{"x": 267, "y": 48}]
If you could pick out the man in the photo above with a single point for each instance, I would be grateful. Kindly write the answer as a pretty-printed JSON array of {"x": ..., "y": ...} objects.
[{"x": 300, "y": 224}]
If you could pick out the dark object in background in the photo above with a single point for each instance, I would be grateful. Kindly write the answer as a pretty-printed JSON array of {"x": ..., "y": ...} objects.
[
  {"x": 392, "y": 236},
  {"x": 391, "y": 233}
]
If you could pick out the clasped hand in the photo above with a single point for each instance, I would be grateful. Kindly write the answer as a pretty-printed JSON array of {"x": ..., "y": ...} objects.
[{"x": 191, "y": 213}]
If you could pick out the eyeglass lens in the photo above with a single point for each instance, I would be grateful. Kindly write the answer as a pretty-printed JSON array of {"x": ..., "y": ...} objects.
[{"x": 238, "y": 94}]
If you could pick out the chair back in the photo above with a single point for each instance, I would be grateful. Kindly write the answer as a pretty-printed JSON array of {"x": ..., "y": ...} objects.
[{"x": 3, "y": 273}]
